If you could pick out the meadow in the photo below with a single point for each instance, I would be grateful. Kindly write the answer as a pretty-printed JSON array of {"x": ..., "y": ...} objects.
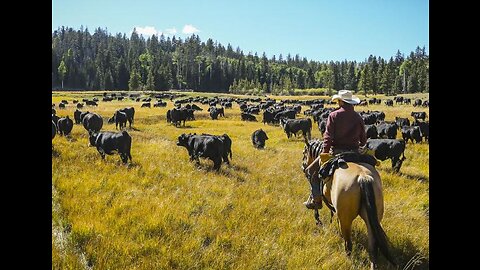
[{"x": 164, "y": 212}]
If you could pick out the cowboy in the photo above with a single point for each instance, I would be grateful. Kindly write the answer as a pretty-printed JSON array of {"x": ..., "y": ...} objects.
[{"x": 345, "y": 132}]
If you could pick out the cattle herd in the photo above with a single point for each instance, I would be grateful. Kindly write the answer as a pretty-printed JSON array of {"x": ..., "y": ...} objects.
[{"x": 381, "y": 134}]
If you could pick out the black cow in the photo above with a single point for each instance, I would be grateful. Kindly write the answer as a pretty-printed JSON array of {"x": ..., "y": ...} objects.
[
  {"x": 75, "y": 101},
  {"x": 79, "y": 105},
  {"x": 247, "y": 117},
  {"x": 289, "y": 114},
  {"x": 295, "y": 125},
  {"x": 322, "y": 126},
  {"x": 227, "y": 145},
  {"x": 92, "y": 122},
  {"x": 130, "y": 112},
  {"x": 107, "y": 142},
  {"x": 419, "y": 115},
  {"x": 214, "y": 112},
  {"x": 258, "y": 138},
  {"x": 181, "y": 114},
  {"x": 412, "y": 133},
  {"x": 120, "y": 119},
  {"x": 388, "y": 149},
  {"x": 388, "y": 130},
  {"x": 64, "y": 101},
  {"x": 54, "y": 130},
  {"x": 91, "y": 103},
  {"x": 76, "y": 116},
  {"x": 371, "y": 131},
  {"x": 65, "y": 125},
  {"x": 61, "y": 105},
  {"x": 401, "y": 122},
  {"x": 203, "y": 146},
  {"x": 389, "y": 102},
  {"x": 369, "y": 118},
  {"x": 424, "y": 129},
  {"x": 160, "y": 104},
  {"x": 146, "y": 104},
  {"x": 53, "y": 111},
  {"x": 268, "y": 117},
  {"x": 417, "y": 102}
]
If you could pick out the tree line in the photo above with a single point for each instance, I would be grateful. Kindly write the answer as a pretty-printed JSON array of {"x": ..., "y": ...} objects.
[{"x": 101, "y": 61}]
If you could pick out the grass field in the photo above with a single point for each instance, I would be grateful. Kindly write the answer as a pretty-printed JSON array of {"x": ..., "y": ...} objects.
[{"x": 164, "y": 212}]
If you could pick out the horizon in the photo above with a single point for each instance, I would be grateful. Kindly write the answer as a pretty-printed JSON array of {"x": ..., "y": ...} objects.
[{"x": 381, "y": 25}]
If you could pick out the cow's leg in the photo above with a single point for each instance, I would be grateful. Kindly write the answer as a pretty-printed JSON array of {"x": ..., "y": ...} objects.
[{"x": 101, "y": 151}]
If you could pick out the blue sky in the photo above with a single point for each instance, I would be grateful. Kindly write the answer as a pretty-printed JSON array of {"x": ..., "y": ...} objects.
[{"x": 319, "y": 30}]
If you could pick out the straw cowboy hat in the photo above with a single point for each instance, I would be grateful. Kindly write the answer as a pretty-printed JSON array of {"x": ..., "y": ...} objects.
[{"x": 346, "y": 96}]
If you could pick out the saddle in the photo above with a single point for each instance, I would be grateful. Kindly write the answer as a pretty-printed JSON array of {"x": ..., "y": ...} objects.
[{"x": 329, "y": 167}]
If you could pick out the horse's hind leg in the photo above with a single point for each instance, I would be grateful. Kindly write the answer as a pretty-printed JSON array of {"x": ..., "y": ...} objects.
[{"x": 346, "y": 228}]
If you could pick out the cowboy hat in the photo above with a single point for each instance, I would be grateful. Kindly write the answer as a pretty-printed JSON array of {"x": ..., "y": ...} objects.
[{"x": 346, "y": 96}]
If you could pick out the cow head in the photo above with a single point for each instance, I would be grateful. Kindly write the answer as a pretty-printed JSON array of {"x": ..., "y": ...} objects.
[
  {"x": 92, "y": 137},
  {"x": 111, "y": 120},
  {"x": 183, "y": 140}
]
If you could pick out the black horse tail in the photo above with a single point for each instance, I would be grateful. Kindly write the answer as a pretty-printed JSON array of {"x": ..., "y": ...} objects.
[{"x": 368, "y": 200}]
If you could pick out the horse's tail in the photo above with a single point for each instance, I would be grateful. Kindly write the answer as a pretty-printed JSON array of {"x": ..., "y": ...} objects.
[{"x": 368, "y": 200}]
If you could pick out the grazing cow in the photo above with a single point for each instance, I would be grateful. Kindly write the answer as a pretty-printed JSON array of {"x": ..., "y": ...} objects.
[
  {"x": 289, "y": 114},
  {"x": 65, "y": 125},
  {"x": 54, "y": 130},
  {"x": 248, "y": 117},
  {"x": 389, "y": 102},
  {"x": 322, "y": 126},
  {"x": 79, "y": 105},
  {"x": 388, "y": 149},
  {"x": 369, "y": 118},
  {"x": 412, "y": 133},
  {"x": 426, "y": 103},
  {"x": 146, "y": 104},
  {"x": 107, "y": 142},
  {"x": 76, "y": 116},
  {"x": 64, "y": 101},
  {"x": 295, "y": 125},
  {"x": 401, "y": 122},
  {"x": 61, "y": 105},
  {"x": 75, "y": 101},
  {"x": 120, "y": 119},
  {"x": 268, "y": 117},
  {"x": 160, "y": 104},
  {"x": 214, "y": 112},
  {"x": 388, "y": 130},
  {"x": 92, "y": 122},
  {"x": 424, "y": 129},
  {"x": 417, "y": 102},
  {"x": 203, "y": 146},
  {"x": 258, "y": 138},
  {"x": 371, "y": 131},
  {"x": 91, "y": 103},
  {"x": 227, "y": 145},
  {"x": 130, "y": 111},
  {"x": 181, "y": 114},
  {"x": 419, "y": 115}
]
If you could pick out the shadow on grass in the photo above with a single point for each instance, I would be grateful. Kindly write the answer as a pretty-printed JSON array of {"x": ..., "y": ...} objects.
[
  {"x": 417, "y": 177},
  {"x": 55, "y": 153},
  {"x": 184, "y": 127},
  {"x": 408, "y": 256}
]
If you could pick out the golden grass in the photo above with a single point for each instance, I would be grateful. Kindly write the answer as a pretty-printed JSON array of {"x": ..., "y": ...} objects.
[{"x": 163, "y": 212}]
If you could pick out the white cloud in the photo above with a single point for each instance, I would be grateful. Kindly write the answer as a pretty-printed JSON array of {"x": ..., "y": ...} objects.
[
  {"x": 171, "y": 31},
  {"x": 147, "y": 31},
  {"x": 189, "y": 29}
]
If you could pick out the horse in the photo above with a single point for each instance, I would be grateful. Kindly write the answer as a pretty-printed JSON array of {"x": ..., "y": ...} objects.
[{"x": 354, "y": 189}]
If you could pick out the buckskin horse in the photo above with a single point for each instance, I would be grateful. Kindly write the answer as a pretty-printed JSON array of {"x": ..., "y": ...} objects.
[{"x": 353, "y": 189}]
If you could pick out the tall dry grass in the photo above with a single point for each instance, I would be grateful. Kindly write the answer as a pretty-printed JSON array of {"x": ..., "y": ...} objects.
[{"x": 164, "y": 212}]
